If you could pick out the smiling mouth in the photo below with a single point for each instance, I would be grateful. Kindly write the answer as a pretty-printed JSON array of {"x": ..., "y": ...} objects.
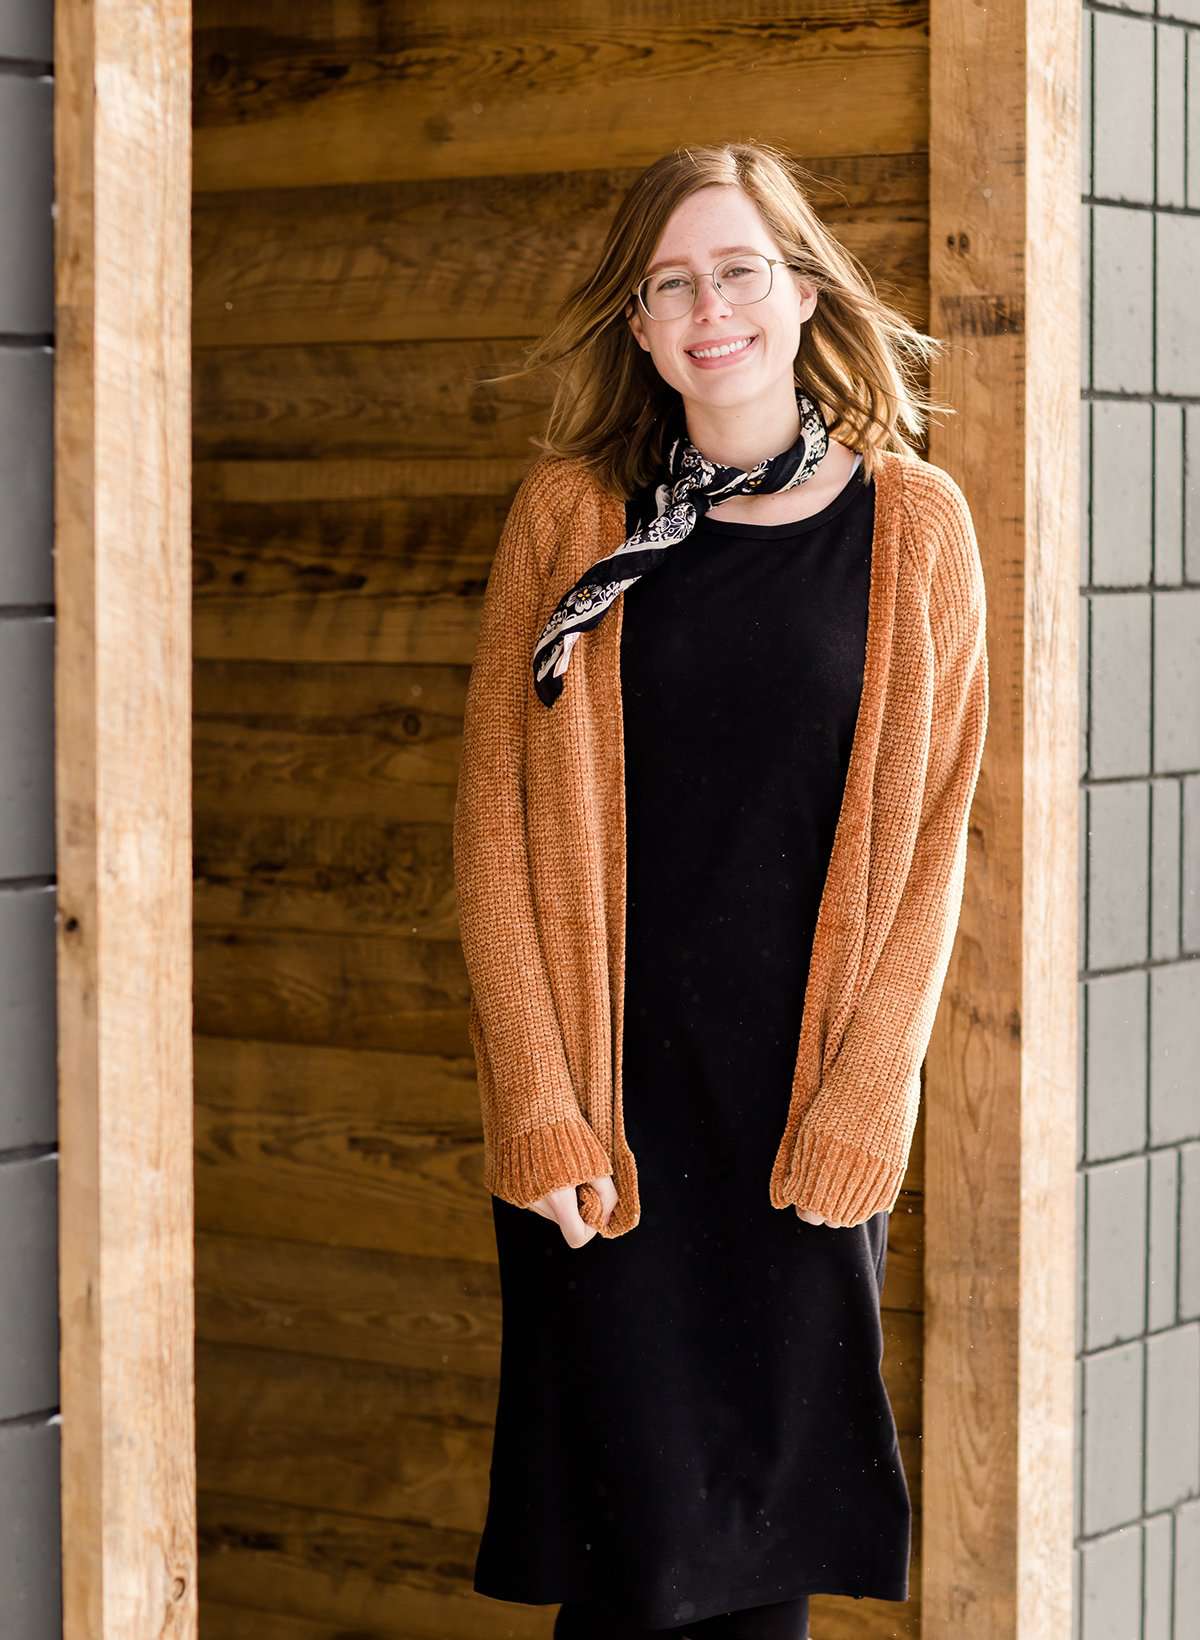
[{"x": 722, "y": 350}]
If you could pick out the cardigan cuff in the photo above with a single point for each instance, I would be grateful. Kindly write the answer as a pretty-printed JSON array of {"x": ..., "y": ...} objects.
[
  {"x": 844, "y": 1183},
  {"x": 525, "y": 1167}
]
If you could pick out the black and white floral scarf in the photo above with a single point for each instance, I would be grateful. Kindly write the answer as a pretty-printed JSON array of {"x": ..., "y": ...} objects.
[{"x": 690, "y": 485}]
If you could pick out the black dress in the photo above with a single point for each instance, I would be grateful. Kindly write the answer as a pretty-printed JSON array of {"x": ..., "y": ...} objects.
[{"x": 691, "y": 1417}]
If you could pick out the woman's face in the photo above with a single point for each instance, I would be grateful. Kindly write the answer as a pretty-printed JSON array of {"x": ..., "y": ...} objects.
[{"x": 701, "y": 232}]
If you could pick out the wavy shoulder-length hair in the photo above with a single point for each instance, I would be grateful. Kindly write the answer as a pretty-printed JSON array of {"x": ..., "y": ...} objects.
[{"x": 859, "y": 358}]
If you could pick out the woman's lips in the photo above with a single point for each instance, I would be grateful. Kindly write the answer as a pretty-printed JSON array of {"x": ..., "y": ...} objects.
[{"x": 724, "y": 359}]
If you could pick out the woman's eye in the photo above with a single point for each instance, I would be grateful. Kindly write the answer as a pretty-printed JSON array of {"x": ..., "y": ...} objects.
[
  {"x": 738, "y": 272},
  {"x": 671, "y": 282}
]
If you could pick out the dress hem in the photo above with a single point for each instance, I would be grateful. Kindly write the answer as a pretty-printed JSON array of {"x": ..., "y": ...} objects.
[{"x": 743, "y": 1599}]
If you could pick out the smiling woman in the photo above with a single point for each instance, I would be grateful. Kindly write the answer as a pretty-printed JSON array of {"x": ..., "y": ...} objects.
[{"x": 696, "y": 783}]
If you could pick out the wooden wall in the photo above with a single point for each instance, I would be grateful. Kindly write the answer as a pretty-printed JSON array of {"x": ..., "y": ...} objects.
[{"x": 388, "y": 199}]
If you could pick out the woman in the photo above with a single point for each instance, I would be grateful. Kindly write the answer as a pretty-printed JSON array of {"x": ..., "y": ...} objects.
[{"x": 721, "y": 738}]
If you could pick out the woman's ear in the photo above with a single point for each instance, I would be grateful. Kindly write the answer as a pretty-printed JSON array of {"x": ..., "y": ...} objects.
[{"x": 634, "y": 319}]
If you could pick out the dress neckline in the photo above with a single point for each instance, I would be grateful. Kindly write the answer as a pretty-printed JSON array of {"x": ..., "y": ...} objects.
[{"x": 729, "y": 527}]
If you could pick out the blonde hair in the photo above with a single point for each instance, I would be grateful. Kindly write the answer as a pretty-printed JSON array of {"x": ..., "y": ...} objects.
[{"x": 859, "y": 358}]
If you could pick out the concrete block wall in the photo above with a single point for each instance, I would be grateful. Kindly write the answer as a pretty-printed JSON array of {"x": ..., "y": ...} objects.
[
  {"x": 1137, "y": 1512},
  {"x": 30, "y": 1581}
]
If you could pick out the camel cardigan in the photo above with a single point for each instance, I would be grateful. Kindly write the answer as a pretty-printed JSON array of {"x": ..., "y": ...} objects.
[{"x": 539, "y": 859}]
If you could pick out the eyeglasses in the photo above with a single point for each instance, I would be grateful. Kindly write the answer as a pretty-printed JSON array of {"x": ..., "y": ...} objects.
[{"x": 671, "y": 292}]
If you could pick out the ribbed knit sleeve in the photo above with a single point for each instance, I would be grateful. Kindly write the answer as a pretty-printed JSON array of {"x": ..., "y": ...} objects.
[
  {"x": 853, "y": 1143},
  {"x": 535, "y": 1136}
]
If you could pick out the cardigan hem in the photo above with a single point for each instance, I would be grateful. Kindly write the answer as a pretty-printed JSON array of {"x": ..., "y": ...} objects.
[{"x": 843, "y": 1182}]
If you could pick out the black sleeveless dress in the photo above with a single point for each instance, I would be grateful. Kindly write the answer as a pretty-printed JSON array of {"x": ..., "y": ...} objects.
[{"x": 691, "y": 1417}]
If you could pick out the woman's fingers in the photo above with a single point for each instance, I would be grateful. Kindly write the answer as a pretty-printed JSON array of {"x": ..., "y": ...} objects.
[
  {"x": 811, "y": 1218},
  {"x": 607, "y": 1192},
  {"x": 562, "y": 1206}
]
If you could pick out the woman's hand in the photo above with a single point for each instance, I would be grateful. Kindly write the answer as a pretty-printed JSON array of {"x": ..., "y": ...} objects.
[
  {"x": 813, "y": 1218},
  {"x": 563, "y": 1207}
]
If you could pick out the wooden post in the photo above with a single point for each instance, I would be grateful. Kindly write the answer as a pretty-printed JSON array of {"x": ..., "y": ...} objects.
[
  {"x": 1001, "y": 1072},
  {"x": 123, "y": 815}
]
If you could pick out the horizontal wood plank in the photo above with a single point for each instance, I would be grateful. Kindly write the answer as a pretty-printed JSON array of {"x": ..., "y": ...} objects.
[
  {"x": 264, "y": 482},
  {"x": 285, "y": 738},
  {"x": 302, "y": 29},
  {"x": 403, "y": 994},
  {"x": 378, "y": 400},
  {"x": 311, "y": 100},
  {"x": 325, "y": 876},
  {"x": 325, "y": 580}
]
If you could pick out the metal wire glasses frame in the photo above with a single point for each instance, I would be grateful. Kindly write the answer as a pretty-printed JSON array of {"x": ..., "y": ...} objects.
[{"x": 772, "y": 262}]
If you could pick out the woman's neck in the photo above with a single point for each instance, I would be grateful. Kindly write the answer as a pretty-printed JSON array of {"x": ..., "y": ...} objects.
[
  {"x": 739, "y": 435},
  {"x": 789, "y": 506}
]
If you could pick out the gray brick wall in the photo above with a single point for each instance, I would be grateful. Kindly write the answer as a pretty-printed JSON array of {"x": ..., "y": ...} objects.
[
  {"x": 30, "y": 1580},
  {"x": 1137, "y": 1515}
]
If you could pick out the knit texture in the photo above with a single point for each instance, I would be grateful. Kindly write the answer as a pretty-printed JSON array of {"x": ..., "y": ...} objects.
[{"x": 539, "y": 859}]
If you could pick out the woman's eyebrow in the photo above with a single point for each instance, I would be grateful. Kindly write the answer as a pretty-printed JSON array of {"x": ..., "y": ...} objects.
[{"x": 680, "y": 262}]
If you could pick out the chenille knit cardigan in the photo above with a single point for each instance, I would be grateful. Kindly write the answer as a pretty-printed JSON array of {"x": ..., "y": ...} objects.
[{"x": 539, "y": 859}]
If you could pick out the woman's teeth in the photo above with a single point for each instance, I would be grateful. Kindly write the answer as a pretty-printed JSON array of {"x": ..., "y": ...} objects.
[{"x": 718, "y": 352}]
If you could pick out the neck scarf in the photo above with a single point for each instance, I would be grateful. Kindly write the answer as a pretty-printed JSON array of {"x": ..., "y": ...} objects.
[{"x": 690, "y": 485}]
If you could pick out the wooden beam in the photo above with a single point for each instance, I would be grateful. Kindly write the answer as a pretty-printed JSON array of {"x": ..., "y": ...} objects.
[
  {"x": 123, "y": 821},
  {"x": 1001, "y": 1071}
]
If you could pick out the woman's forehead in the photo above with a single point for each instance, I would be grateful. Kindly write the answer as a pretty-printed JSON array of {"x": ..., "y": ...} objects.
[{"x": 711, "y": 223}]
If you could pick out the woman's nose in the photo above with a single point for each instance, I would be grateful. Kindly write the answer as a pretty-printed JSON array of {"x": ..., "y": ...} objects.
[{"x": 709, "y": 300}]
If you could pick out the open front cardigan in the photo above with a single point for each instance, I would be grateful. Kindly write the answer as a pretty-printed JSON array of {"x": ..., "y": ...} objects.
[{"x": 539, "y": 859}]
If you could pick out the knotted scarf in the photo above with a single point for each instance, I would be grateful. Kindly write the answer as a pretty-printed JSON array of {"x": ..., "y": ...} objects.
[{"x": 690, "y": 485}]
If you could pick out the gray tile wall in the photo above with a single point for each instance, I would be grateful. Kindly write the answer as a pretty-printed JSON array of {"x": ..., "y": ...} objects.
[
  {"x": 1137, "y": 1514},
  {"x": 30, "y": 1583}
]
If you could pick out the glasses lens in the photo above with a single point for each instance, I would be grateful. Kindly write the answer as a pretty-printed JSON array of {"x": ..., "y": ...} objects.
[
  {"x": 744, "y": 278},
  {"x": 669, "y": 293}
]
